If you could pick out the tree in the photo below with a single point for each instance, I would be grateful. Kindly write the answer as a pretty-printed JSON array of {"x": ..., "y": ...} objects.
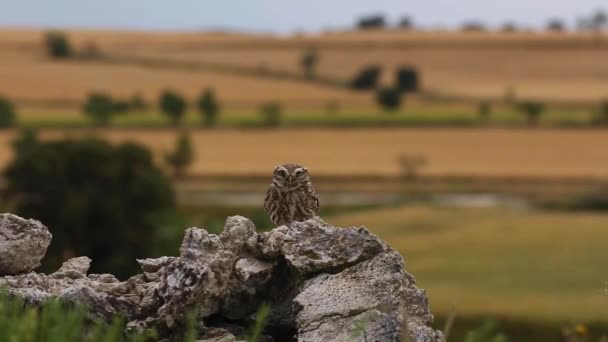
[
  {"x": 57, "y": 45},
  {"x": 406, "y": 23},
  {"x": 271, "y": 114},
  {"x": 182, "y": 156},
  {"x": 407, "y": 79},
  {"x": 120, "y": 106},
  {"x": 376, "y": 21},
  {"x": 100, "y": 108},
  {"x": 598, "y": 20},
  {"x": 97, "y": 199},
  {"x": 602, "y": 114},
  {"x": 556, "y": 25},
  {"x": 173, "y": 106},
  {"x": 389, "y": 99},
  {"x": 367, "y": 78},
  {"x": 484, "y": 110},
  {"x": 532, "y": 110},
  {"x": 208, "y": 107},
  {"x": 8, "y": 115},
  {"x": 309, "y": 61}
]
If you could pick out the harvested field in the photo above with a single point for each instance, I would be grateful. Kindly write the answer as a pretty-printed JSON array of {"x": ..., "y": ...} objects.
[{"x": 478, "y": 152}]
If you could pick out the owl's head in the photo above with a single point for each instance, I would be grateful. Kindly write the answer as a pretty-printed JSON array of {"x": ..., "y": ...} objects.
[{"x": 290, "y": 175}]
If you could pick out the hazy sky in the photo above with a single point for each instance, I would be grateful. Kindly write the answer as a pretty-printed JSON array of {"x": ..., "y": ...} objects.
[{"x": 280, "y": 15}]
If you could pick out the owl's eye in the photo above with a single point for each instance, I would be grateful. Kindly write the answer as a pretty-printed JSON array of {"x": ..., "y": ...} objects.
[
  {"x": 282, "y": 173},
  {"x": 299, "y": 173}
]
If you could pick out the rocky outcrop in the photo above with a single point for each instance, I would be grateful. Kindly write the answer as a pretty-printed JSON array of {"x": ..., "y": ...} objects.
[
  {"x": 23, "y": 244},
  {"x": 322, "y": 283}
]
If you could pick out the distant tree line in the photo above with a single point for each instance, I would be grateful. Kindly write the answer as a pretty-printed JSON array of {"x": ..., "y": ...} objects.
[{"x": 596, "y": 21}]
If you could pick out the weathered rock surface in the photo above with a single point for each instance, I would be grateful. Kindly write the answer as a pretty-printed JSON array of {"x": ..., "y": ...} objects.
[
  {"x": 23, "y": 244},
  {"x": 323, "y": 284}
]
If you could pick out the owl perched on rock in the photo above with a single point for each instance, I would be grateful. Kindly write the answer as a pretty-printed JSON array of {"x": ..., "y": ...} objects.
[{"x": 291, "y": 196}]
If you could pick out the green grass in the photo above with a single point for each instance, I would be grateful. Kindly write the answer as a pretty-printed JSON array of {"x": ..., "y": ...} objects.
[
  {"x": 529, "y": 265},
  {"x": 57, "y": 322},
  {"x": 415, "y": 117}
]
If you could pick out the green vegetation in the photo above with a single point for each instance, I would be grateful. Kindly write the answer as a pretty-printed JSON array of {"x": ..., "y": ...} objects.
[
  {"x": 532, "y": 110},
  {"x": 261, "y": 318},
  {"x": 499, "y": 262},
  {"x": 57, "y": 45},
  {"x": 484, "y": 110},
  {"x": 173, "y": 106},
  {"x": 389, "y": 99},
  {"x": 487, "y": 332},
  {"x": 407, "y": 79},
  {"x": 272, "y": 114},
  {"x": 375, "y": 21},
  {"x": 100, "y": 108},
  {"x": 412, "y": 116},
  {"x": 182, "y": 156},
  {"x": 208, "y": 107},
  {"x": 8, "y": 115},
  {"x": 98, "y": 200},
  {"x": 367, "y": 78},
  {"x": 57, "y": 322}
]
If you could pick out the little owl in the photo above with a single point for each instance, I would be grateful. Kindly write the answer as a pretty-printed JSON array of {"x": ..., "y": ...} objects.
[{"x": 291, "y": 196}]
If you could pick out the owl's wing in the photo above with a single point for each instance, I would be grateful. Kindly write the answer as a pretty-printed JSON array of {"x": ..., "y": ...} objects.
[
  {"x": 315, "y": 202},
  {"x": 268, "y": 199}
]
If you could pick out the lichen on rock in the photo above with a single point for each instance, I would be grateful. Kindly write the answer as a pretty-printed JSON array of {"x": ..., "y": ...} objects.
[{"x": 322, "y": 283}]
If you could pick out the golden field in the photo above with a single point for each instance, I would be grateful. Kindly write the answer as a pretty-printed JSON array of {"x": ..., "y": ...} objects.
[
  {"x": 470, "y": 152},
  {"x": 552, "y": 67},
  {"x": 522, "y": 264}
]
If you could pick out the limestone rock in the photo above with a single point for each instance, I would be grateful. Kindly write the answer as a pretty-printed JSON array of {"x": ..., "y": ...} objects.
[
  {"x": 74, "y": 268},
  {"x": 23, "y": 244},
  {"x": 323, "y": 283},
  {"x": 315, "y": 246}
]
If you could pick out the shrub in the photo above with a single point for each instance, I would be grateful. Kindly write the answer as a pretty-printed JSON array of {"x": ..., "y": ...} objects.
[
  {"x": 120, "y": 106},
  {"x": 556, "y": 25},
  {"x": 376, "y": 21},
  {"x": 173, "y": 106},
  {"x": 406, "y": 23},
  {"x": 407, "y": 79},
  {"x": 602, "y": 114},
  {"x": 389, "y": 98},
  {"x": 596, "y": 200},
  {"x": 309, "y": 61},
  {"x": 182, "y": 156},
  {"x": 367, "y": 78},
  {"x": 100, "y": 108},
  {"x": 58, "y": 45},
  {"x": 208, "y": 107},
  {"x": 271, "y": 114},
  {"x": 532, "y": 110},
  {"x": 98, "y": 199},
  {"x": 484, "y": 110},
  {"x": 8, "y": 115}
]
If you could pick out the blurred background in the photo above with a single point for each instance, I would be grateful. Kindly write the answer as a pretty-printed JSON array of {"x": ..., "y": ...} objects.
[{"x": 472, "y": 137}]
